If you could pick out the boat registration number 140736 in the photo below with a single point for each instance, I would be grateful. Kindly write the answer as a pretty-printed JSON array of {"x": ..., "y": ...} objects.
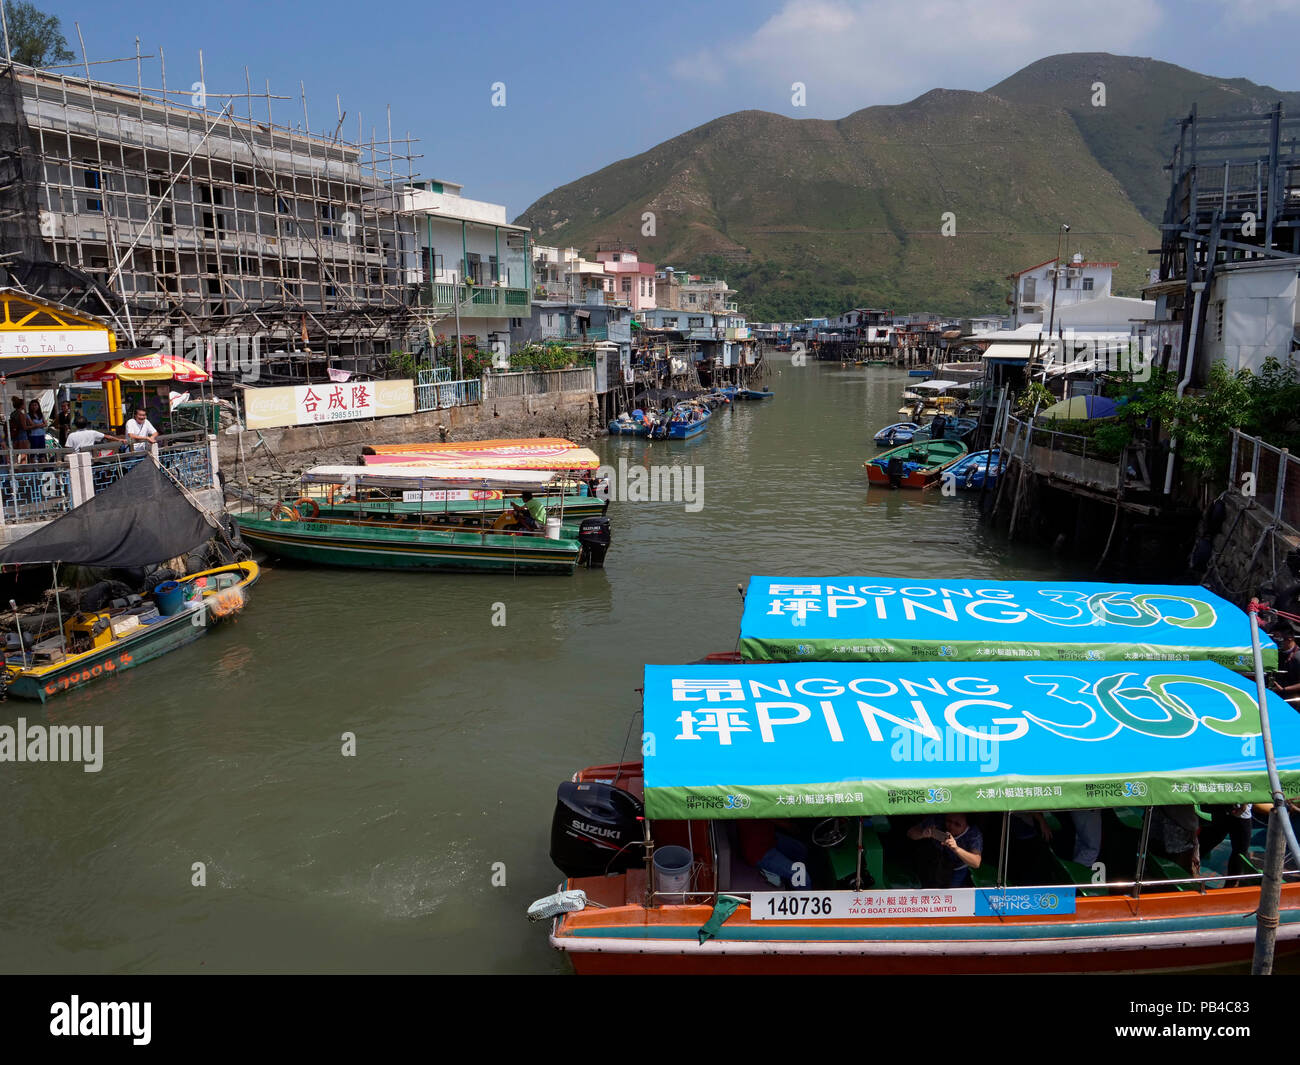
[{"x": 908, "y": 902}]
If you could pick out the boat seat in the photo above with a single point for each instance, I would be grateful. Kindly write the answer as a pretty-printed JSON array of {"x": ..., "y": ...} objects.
[
  {"x": 1166, "y": 869},
  {"x": 985, "y": 876},
  {"x": 1080, "y": 875}
]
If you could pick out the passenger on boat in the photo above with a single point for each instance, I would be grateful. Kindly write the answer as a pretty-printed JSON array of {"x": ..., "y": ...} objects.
[
  {"x": 956, "y": 847},
  {"x": 1087, "y": 835},
  {"x": 1287, "y": 679},
  {"x": 1236, "y": 823},
  {"x": 1031, "y": 858},
  {"x": 532, "y": 515},
  {"x": 1173, "y": 836}
]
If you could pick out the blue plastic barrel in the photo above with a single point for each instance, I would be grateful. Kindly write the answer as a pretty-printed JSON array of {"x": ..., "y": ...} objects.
[{"x": 170, "y": 596}]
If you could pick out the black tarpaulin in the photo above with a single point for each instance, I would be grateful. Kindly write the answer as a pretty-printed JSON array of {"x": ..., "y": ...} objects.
[{"x": 139, "y": 519}]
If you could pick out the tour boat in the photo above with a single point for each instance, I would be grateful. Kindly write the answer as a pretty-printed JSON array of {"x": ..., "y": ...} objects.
[
  {"x": 766, "y": 828},
  {"x": 916, "y": 465},
  {"x": 357, "y": 533}
]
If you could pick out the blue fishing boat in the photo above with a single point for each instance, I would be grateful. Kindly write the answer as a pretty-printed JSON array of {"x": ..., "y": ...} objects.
[
  {"x": 970, "y": 473},
  {"x": 953, "y": 429},
  {"x": 896, "y": 434},
  {"x": 754, "y": 393},
  {"x": 687, "y": 420}
]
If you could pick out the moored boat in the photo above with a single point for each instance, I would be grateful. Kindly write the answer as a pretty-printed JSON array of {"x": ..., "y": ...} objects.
[
  {"x": 357, "y": 533},
  {"x": 754, "y": 393},
  {"x": 141, "y": 519},
  {"x": 973, "y": 471},
  {"x": 896, "y": 434},
  {"x": 95, "y": 644},
  {"x": 916, "y": 465}
]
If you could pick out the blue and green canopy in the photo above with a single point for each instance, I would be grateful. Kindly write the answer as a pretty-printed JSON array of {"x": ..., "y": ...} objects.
[
  {"x": 828, "y": 739},
  {"x": 876, "y": 619}
]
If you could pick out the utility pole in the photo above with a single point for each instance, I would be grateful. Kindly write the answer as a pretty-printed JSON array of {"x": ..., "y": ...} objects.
[{"x": 1056, "y": 278}]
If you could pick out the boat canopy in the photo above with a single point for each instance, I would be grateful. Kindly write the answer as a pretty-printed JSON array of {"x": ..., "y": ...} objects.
[
  {"x": 838, "y": 739},
  {"x": 432, "y": 477},
  {"x": 934, "y": 386},
  {"x": 139, "y": 519},
  {"x": 540, "y": 454},
  {"x": 876, "y": 619}
]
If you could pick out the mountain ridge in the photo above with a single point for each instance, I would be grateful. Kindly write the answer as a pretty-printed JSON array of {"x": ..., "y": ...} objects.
[{"x": 807, "y": 216}]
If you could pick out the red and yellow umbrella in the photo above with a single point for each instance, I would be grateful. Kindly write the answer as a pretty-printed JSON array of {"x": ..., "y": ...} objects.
[{"x": 145, "y": 368}]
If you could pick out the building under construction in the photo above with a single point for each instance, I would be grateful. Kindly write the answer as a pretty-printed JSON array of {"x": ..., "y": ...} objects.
[{"x": 205, "y": 216}]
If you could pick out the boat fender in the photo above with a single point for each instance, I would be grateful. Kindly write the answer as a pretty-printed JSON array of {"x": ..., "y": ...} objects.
[
  {"x": 310, "y": 507},
  {"x": 281, "y": 512}
]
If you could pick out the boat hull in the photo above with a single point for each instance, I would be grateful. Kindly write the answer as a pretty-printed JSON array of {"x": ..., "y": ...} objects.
[
  {"x": 1172, "y": 937},
  {"x": 380, "y": 547}
]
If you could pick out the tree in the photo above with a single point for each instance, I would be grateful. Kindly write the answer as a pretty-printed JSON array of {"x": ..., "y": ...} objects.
[{"x": 35, "y": 38}]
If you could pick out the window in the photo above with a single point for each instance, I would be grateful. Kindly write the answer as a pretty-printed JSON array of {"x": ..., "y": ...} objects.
[
  {"x": 627, "y": 285},
  {"x": 1086, "y": 284},
  {"x": 93, "y": 179},
  {"x": 282, "y": 205},
  {"x": 695, "y": 323},
  {"x": 670, "y": 323},
  {"x": 1218, "y": 320},
  {"x": 550, "y": 320},
  {"x": 1031, "y": 285},
  {"x": 328, "y": 213}
]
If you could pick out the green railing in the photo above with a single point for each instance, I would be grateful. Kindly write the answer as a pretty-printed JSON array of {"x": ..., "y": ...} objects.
[{"x": 475, "y": 300}]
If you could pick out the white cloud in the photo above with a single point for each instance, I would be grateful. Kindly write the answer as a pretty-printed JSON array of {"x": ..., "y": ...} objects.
[{"x": 851, "y": 53}]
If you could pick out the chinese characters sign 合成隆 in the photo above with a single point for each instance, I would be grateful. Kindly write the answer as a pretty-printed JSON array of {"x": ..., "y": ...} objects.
[{"x": 270, "y": 408}]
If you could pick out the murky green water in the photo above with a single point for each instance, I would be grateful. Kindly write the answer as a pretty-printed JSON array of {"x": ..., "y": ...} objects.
[{"x": 228, "y": 752}]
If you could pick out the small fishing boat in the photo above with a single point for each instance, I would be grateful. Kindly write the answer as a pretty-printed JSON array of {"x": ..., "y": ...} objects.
[
  {"x": 916, "y": 465},
  {"x": 971, "y": 472},
  {"x": 754, "y": 393},
  {"x": 141, "y": 519},
  {"x": 94, "y": 644},
  {"x": 896, "y": 434},
  {"x": 701, "y": 858},
  {"x": 928, "y": 398},
  {"x": 944, "y": 427},
  {"x": 345, "y": 531},
  {"x": 880, "y": 362}
]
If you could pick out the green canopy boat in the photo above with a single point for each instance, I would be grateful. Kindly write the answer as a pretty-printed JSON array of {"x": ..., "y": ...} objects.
[{"x": 364, "y": 530}]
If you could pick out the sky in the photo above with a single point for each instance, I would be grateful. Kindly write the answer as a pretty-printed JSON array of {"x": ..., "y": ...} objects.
[{"x": 514, "y": 99}]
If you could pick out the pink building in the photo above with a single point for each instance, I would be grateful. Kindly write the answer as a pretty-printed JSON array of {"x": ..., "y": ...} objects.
[{"x": 634, "y": 281}]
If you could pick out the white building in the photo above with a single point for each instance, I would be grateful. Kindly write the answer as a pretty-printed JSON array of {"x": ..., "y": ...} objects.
[
  {"x": 468, "y": 254},
  {"x": 1074, "y": 295}
]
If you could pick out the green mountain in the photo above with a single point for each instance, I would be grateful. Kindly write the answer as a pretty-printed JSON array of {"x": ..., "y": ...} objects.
[
  {"x": 806, "y": 216},
  {"x": 1134, "y": 132}
]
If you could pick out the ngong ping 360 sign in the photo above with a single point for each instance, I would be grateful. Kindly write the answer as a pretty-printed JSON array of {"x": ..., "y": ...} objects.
[{"x": 269, "y": 408}]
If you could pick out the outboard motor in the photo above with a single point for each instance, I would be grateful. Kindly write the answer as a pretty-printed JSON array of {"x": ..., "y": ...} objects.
[
  {"x": 894, "y": 469},
  {"x": 596, "y": 830},
  {"x": 593, "y": 535}
]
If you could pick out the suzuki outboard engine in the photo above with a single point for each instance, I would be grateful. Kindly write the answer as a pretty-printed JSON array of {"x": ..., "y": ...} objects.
[
  {"x": 593, "y": 535},
  {"x": 596, "y": 830}
]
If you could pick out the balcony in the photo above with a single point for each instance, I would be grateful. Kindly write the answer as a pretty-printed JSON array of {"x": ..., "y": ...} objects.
[{"x": 476, "y": 301}]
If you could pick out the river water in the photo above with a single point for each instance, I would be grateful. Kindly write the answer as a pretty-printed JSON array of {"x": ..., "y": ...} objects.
[{"x": 228, "y": 752}]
